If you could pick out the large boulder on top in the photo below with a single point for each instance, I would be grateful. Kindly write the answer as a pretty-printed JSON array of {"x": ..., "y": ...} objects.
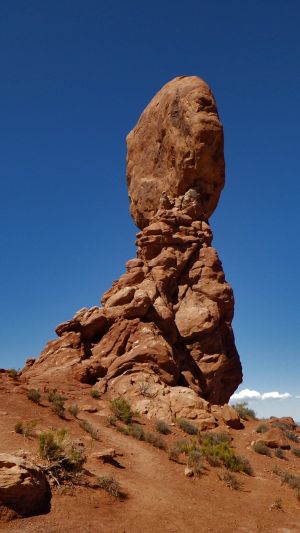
[{"x": 176, "y": 145}]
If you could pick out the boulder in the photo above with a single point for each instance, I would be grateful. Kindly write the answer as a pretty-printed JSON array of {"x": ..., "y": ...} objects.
[
  {"x": 24, "y": 489},
  {"x": 231, "y": 417}
]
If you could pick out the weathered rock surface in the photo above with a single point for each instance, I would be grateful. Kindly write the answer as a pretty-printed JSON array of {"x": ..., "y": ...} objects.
[
  {"x": 169, "y": 316},
  {"x": 176, "y": 145},
  {"x": 24, "y": 489}
]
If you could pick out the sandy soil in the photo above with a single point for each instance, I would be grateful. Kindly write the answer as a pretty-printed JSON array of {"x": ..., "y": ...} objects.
[{"x": 160, "y": 497}]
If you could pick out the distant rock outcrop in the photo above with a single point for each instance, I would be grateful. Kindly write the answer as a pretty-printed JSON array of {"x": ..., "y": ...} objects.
[{"x": 166, "y": 323}]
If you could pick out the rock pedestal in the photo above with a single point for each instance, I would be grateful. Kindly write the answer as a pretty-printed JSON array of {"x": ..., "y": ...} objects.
[{"x": 168, "y": 318}]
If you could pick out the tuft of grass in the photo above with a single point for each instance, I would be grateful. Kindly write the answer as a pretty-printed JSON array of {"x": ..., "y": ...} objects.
[
  {"x": 195, "y": 462},
  {"x": 262, "y": 428},
  {"x": 186, "y": 446},
  {"x": 26, "y": 428},
  {"x": 12, "y": 373},
  {"x": 244, "y": 411},
  {"x": 86, "y": 426},
  {"x": 174, "y": 454},
  {"x": 110, "y": 485},
  {"x": 57, "y": 402},
  {"x": 217, "y": 450},
  {"x": 52, "y": 443},
  {"x": 65, "y": 457},
  {"x": 292, "y": 436},
  {"x": 276, "y": 505},
  {"x": 279, "y": 453},
  {"x": 162, "y": 427},
  {"x": 122, "y": 410},
  {"x": 186, "y": 426},
  {"x": 230, "y": 480},
  {"x": 261, "y": 448},
  {"x": 290, "y": 479},
  {"x": 74, "y": 410},
  {"x": 34, "y": 395},
  {"x": 155, "y": 440},
  {"x": 95, "y": 394},
  {"x": 296, "y": 451}
]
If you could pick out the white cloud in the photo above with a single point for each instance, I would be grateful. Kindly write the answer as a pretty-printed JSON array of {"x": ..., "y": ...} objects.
[
  {"x": 247, "y": 394},
  {"x": 297, "y": 396}
]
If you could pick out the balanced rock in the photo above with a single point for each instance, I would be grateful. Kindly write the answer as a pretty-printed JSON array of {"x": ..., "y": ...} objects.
[{"x": 169, "y": 316}]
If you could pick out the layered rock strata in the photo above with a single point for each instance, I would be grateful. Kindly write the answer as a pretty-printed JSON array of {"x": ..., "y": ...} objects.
[{"x": 167, "y": 321}]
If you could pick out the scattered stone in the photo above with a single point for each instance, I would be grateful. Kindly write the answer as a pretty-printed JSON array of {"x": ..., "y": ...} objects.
[
  {"x": 231, "y": 417},
  {"x": 188, "y": 472},
  {"x": 89, "y": 408}
]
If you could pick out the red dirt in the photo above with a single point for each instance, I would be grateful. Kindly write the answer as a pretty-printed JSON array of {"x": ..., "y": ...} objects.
[{"x": 160, "y": 497}]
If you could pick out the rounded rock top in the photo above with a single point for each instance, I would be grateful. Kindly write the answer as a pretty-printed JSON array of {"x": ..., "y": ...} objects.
[{"x": 176, "y": 145}]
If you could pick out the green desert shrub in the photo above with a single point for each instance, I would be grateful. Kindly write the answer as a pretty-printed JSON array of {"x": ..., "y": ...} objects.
[
  {"x": 57, "y": 402},
  {"x": 279, "y": 453},
  {"x": 162, "y": 427},
  {"x": 26, "y": 429},
  {"x": 244, "y": 411},
  {"x": 65, "y": 457},
  {"x": 195, "y": 461},
  {"x": 34, "y": 395},
  {"x": 186, "y": 446},
  {"x": 262, "y": 428},
  {"x": 262, "y": 449},
  {"x": 110, "y": 485},
  {"x": 222, "y": 453},
  {"x": 74, "y": 410},
  {"x": 174, "y": 454},
  {"x": 155, "y": 440},
  {"x": 122, "y": 410},
  {"x": 12, "y": 373},
  {"x": 230, "y": 480},
  {"x": 292, "y": 436},
  {"x": 186, "y": 426},
  {"x": 86, "y": 426},
  {"x": 95, "y": 394},
  {"x": 296, "y": 452}
]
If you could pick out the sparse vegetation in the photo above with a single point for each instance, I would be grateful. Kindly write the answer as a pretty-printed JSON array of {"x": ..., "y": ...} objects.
[
  {"x": 57, "y": 403},
  {"x": 122, "y": 410},
  {"x": 230, "y": 480},
  {"x": 65, "y": 457},
  {"x": 12, "y": 373},
  {"x": 86, "y": 426},
  {"x": 34, "y": 395},
  {"x": 110, "y": 485},
  {"x": 292, "y": 436},
  {"x": 279, "y": 453},
  {"x": 74, "y": 410},
  {"x": 217, "y": 450},
  {"x": 25, "y": 428},
  {"x": 137, "y": 432},
  {"x": 95, "y": 394},
  {"x": 195, "y": 462},
  {"x": 261, "y": 448},
  {"x": 276, "y": 505},
  {"x": 244, "y": 411},
  {"x": 262, "y": 428},
  {"x": 174, "y": 454},
  {"x": 296, "y": 451},
  {"x": 186, "y": 426},
  {"x": 290, "y": 479},
  {"x": 162, "y": 427}
]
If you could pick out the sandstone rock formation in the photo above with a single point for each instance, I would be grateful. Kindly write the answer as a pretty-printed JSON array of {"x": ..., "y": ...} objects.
[
  {"x": 166, "y": 323},
  {"x": 24, "y": 489}
]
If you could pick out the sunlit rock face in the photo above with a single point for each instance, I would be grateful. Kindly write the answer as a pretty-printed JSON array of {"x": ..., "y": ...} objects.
[{"x": 167, "y": 320}]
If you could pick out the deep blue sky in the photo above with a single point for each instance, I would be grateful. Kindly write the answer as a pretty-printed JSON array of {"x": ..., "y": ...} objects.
[{"x": 74, "y": 77}]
